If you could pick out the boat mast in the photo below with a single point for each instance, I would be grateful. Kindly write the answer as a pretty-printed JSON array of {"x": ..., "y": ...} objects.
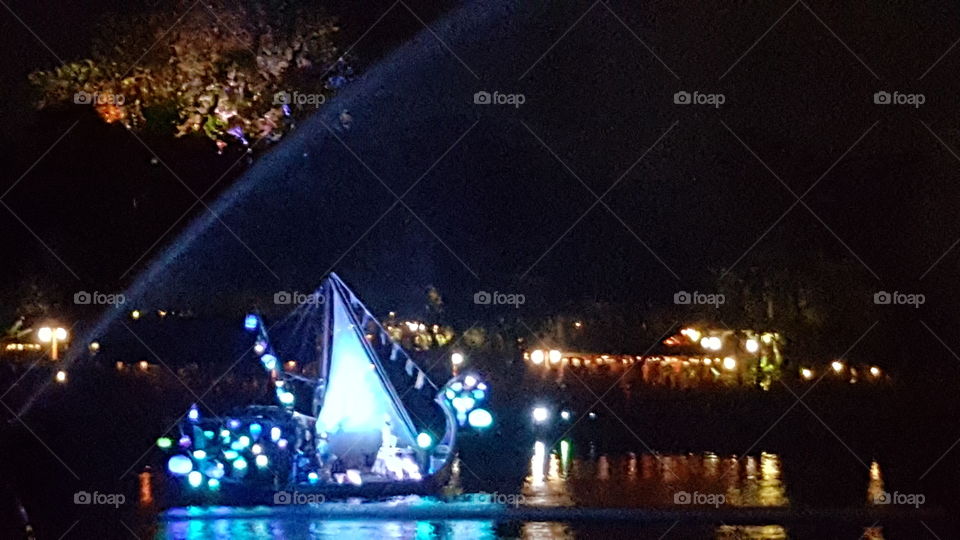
[{"x": 325, "y": 345}]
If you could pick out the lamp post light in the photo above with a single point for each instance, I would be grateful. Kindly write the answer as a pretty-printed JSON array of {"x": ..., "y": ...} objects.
[
  {"x": 456, "y": 360},
  {"x": 54, "y": 336}
]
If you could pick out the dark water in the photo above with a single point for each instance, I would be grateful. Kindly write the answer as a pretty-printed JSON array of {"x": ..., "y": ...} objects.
[{"x": 556, "y": 479}]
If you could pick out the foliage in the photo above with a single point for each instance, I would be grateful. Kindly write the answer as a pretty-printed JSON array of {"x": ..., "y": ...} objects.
[{"x": 214, "y": 69}]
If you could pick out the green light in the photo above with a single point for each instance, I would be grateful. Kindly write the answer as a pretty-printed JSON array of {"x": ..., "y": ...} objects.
[
  {"x": 164, "y": 442},
  {"x": 424, "y": 440}
]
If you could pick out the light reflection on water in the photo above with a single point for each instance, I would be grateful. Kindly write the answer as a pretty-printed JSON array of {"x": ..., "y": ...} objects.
[
  {"x": 559, "y": 478},
  {"x": 241, "y": 529}
]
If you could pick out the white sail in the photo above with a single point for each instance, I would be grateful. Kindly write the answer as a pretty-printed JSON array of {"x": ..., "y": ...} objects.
[{"x": 358, "y": 408}]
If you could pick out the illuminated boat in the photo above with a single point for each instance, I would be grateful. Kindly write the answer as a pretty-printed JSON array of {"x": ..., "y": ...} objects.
[{"x": 355, "y": 415}]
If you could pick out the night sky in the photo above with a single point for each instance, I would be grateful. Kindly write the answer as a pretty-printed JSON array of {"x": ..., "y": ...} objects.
[{"x": 505, "y": 198}]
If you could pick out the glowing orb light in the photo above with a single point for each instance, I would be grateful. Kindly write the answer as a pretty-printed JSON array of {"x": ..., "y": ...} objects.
[
  {"x": 194, "y": 413},
  {"x": 565, "y": 415},
  {"x": 729, "y": 363},
  {"x": 540, "y": 414},
  {"x": 214, "y": 470},
  {"x": 179, "y": 465},
  {"x": 480, "y": 418},
  {"x": 424, "y": 440},
  {"x": 251, "y": 322},
  {"x": 752, "y": 345},
  {"x": 164, "y": 442},
  {"x": 240, "y": 464},
  {"x": 555, "y": 356},
  {"x": 230, "y": 454},
  {"x": 199, "y": 454},
  {"x": 469, "y": 381},
  {"x": 536, "y": 356},
  {"x": 195, "y": 478},
  {"x": 456, "y": 358},
  {"x": 255, "y": 431},
  {"x": 275, "y": 434},
  {"x": 61, "y": 376},
  {"x": 286, "y": 398},
  {"x": 269, "y": 361},
  {"x": 313, "y": 478},
  {"x": 213, "y": 483},
  {"x": 262, "y": 461},
  {"x": 463, "y": 403}
]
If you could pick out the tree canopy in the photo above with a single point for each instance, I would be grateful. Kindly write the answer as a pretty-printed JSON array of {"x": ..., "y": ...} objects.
[{"x": 219, "y": 69}]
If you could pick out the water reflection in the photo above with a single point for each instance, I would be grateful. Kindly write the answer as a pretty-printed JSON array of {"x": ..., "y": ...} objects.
[
  {"x": 240, "y": 529},
  {"x": 557, "y": 478}
]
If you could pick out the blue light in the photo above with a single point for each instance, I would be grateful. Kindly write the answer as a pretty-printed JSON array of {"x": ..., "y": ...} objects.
[
  {"x": 457, "y": 386},
  {"x": 251, "y": 322},
  {"x": 479, "y": 394},
  {"x": 313, "y": 478},
  {"x": 275, "y": 434},
  {"x": 450, "y": 394},
  {"x": 269, "y": 361},
  {"x": 233, "y": 423},
  {"x": 213, "y": 483},
  {"x": 199, "y": 454},
  {"x": 195, "y": 478},
  {"x": 424, "y": 440},
  {"x": 214, "y": 470},
  {"x": 255, "y": 431},
  {"x": 480, "y": 418},
  {"x": 179, "y": 465},
  {"x": 463, "y": 403},
  {"x": 240, "y": 464},
  {"x": 194, "y": 413}
]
